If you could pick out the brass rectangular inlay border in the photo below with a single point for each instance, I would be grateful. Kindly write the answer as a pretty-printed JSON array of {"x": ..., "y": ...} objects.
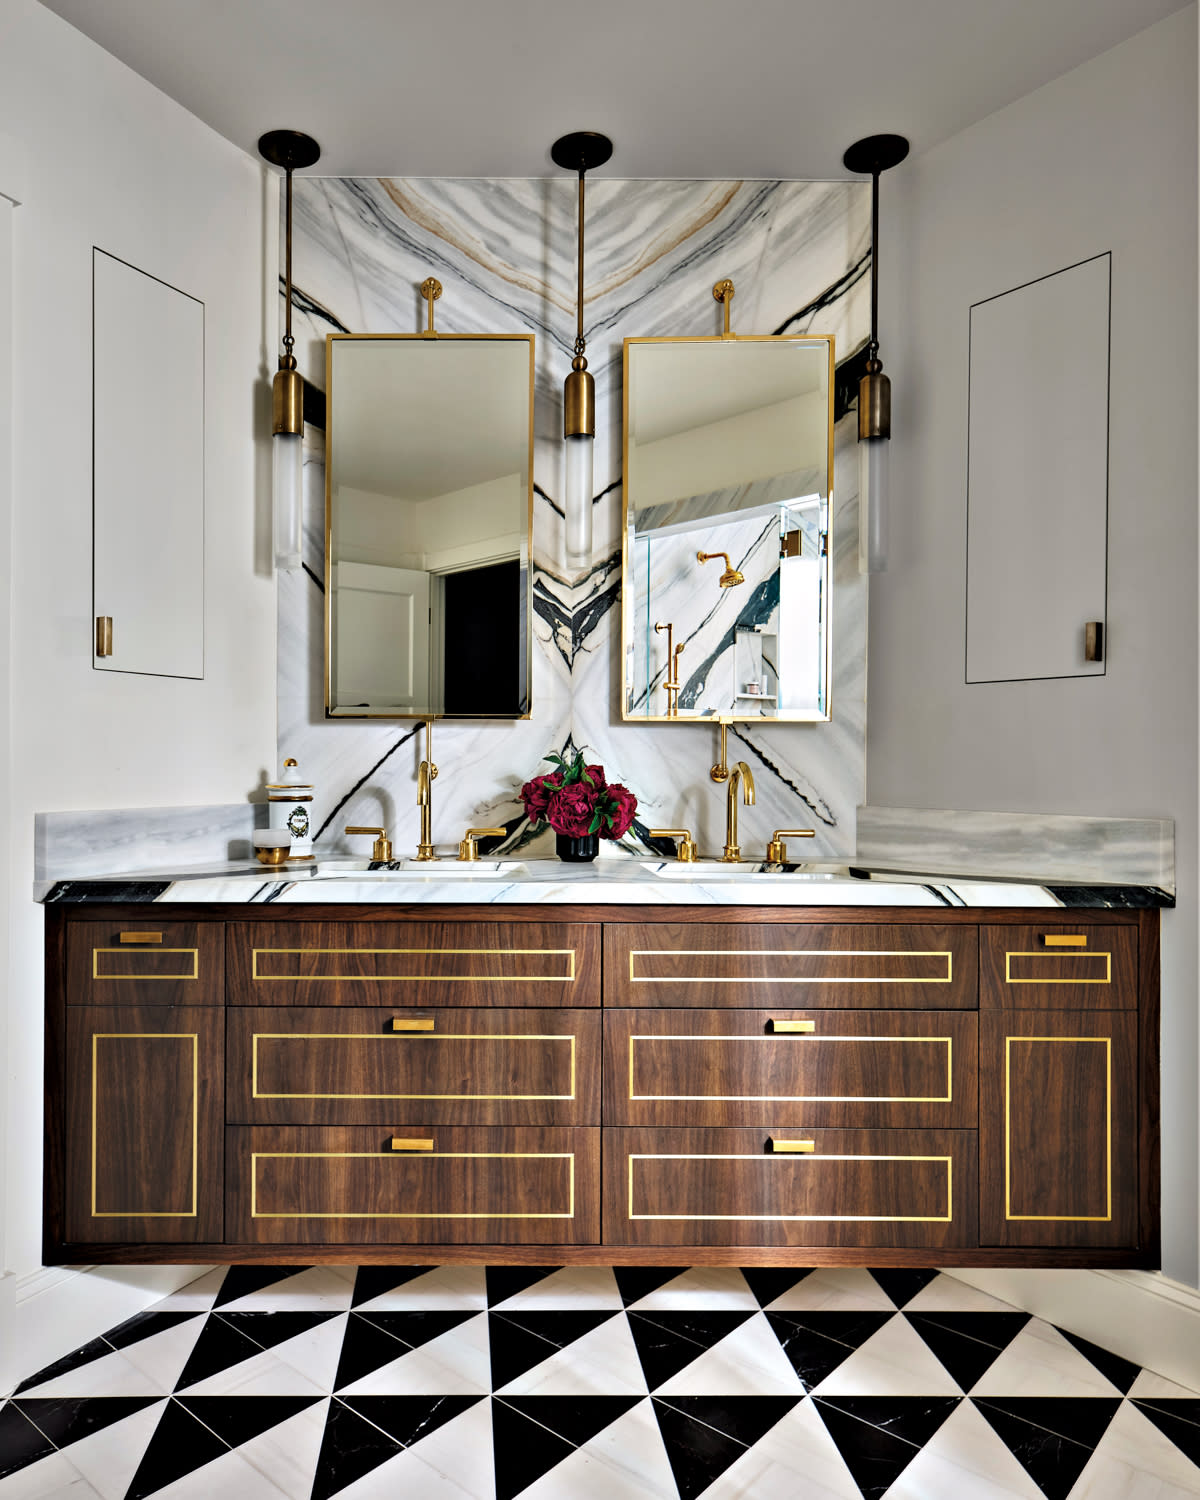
[
  {"x": 946, "y": 1098},
  {"x": 1057, "y": 1218},
  {"x": 798, "y": 1161},
  {"x": 567, "y": 978},
  {"x": 131, "y": 953},
  {"x": 567, "y": 1156},
  {"x": 150, "y": 1036},
  {"x": 635, "y": 953},
  {"x": 403, "y": 1037},
  {"x": 1059, "y": 958}
]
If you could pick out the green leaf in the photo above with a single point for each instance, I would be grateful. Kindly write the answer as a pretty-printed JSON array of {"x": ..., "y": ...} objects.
[{"x": 594, "y": 826}]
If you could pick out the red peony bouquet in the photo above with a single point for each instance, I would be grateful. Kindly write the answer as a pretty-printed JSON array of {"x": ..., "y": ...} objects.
[{"x": 576, "y": 800}]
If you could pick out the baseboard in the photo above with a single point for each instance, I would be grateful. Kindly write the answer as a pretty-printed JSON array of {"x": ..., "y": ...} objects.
[
  {"x": 1141, "y": 1315},
  {"x": 53, "y": 1310}
]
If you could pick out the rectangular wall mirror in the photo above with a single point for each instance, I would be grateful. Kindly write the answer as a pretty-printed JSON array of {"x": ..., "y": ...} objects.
[
  {"x": 728, "y": 497},
  {"x": 428, "y": 509}
]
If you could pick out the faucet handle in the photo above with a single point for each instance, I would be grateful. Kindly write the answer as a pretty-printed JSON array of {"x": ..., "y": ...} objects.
[
  {"x": 468, "y": 850},
  {"x": 381, "y": 851},
  {"x": 686, "y": 852},
  {"x": 777, "y": 849}
]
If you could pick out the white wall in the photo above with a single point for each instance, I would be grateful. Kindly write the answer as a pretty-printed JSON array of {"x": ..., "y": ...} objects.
[
  {"x": 108, "y": 160},
  {"x": 1103, "y": 158}
]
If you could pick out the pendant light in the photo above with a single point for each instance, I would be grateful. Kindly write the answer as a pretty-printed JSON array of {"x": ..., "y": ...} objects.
[
  {"x": 288, "y": 149},
  {"x": 579, "y": 152},
  {"x": 874, "y": 154}
]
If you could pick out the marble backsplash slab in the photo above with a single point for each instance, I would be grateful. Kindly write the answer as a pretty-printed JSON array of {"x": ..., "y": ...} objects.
[
  {"x": 504, "y": 250},
  {"x": 73, "y": 845}
]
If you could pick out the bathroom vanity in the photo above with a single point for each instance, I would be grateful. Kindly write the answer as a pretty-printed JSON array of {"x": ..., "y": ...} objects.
[{"x": 601, "y": 1070}]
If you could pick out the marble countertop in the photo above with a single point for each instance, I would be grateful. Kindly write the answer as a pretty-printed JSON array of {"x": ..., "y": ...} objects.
[{"x": 611, "y": 881}]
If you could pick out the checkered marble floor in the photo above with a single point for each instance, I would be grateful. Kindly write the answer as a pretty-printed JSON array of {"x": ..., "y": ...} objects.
[{"x": 459, "y": 1383}]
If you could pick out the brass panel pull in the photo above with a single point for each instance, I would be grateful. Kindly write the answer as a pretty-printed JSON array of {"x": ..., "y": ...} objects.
[
  {"x": 407, "y": 1143},
  {"x": 140, "y": 937},
  {"x": 1064, "y": 940},
  {"x": 104, "y": 635},
  {"x": 414, "y": 1023},
  {"x": 778, "y": 1147},
  {"x": 792, "y": 1026},
  {"x": 1093, "y": 640}
]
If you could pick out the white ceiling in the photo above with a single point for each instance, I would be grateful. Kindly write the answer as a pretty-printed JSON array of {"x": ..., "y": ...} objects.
[{"x": 685, "y": 88}]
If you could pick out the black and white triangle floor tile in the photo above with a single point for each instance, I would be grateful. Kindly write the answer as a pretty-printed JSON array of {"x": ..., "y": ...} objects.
[{"x": 587, "y": 1383}]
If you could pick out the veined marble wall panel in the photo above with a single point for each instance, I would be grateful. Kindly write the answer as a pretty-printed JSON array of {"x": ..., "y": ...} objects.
[{"x": 504, "y": 250}]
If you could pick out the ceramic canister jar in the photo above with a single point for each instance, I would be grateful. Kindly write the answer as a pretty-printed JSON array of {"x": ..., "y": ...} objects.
[{"x": 291, "y": 806}]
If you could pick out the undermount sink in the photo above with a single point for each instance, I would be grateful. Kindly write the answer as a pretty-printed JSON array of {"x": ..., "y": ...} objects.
[
  {"x": 701, "y": 869},
  {"x": 411, "y": 869}
]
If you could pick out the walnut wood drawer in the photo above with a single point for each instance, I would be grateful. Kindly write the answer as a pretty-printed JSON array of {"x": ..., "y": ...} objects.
[
  {"x": 904, "y": 1188},
  {"x": 414, "y": 963},
  {"x": 860, "y": 1069},
  {"x": 1059, "y": 966},
  {"x": 469, "y": 1067},
  {"x": 319, "y": 1186},
  {"x": 827, "y": 965},
  {"x": 145, "y": 962}
]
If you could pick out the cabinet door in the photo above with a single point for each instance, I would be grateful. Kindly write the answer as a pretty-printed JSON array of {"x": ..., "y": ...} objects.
[
  {"x": 1058, "y": 1128},
  {"x": 145, "y": 1113}
]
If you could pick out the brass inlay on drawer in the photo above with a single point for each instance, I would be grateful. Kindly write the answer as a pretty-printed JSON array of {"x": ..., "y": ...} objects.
[
  {"x": 778, "y": 1163},
  {"x": 150, "y": 1036},
  {"x": 1103, "y": 1218},
  {"x": 567, "y": 1156},
  {"x": 130, "y": 956},
  {"x": 567, "y": 955},
  {"x": 941, "y": 966},
  {"x": 1056, "y": 960},
  {"x": 946, "y": 1098},
  {"x": 336, "y": 1036}
]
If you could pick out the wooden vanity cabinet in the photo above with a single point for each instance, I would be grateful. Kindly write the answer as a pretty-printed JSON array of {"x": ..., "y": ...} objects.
[{"x": 620, "y": 1085}]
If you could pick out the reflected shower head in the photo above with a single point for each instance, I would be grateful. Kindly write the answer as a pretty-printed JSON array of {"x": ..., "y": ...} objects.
[{"x": 731, "y": 575}]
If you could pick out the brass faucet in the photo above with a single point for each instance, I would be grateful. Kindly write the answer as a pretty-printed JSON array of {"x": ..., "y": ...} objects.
[
  {"x": 426, "y": 776},
  {"x": 741, "y": 773}
]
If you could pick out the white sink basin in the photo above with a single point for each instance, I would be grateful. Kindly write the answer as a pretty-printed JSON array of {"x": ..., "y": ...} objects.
[
  {"x": 718, "y": 869},
  {"x": 411, "y": 869}
]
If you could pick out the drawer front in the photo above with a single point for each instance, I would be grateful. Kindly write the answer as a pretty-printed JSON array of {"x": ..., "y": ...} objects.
[
  {"x": 414, "y": 963},
  {"x": 468, "y": 1067},
  {"x": 1058, "y": 1129},
  {"x": 321, "y": 1186},
  {"x": 826, "y": 965},
  {"x": 860, "y": 1069},
  {"x": 145, "y": 962},
  {"x": 1058, "y": 966},
  {"x": 904, "y": 1188}
]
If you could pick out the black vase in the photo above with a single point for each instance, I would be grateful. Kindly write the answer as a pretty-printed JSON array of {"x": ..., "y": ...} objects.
[{"x": 580, "y": 851}]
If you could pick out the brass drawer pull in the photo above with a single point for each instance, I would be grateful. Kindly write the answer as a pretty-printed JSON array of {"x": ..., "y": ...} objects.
[
  {"x": 776, "y": 1147},
  {"x": 415, "y": 1023},
  {"x": 407, "y": 1143},
  {"x": 140, "y": 937},
  {"x": 792, "y": 1026},
  {"x": 1064, "y": 940}
]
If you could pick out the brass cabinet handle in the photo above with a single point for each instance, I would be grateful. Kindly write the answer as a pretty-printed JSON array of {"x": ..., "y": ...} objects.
[
  {"x": 140, "y": 937},
  {"x": 791, "y": 1026},
  {"x": 104, "y": 635},
  {"x": 1064, "y": 940},
  {"x": 408, "y": 1143},
  {"x": 777, "y": 1147},
  {"x": 413, "y": 1023}
]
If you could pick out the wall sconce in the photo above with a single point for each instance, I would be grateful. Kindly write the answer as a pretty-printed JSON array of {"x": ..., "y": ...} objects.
[
  {"x": 288, "y": 149},
  {"x": 874, "y": 154},
  {"x": 579, "y": 152}
]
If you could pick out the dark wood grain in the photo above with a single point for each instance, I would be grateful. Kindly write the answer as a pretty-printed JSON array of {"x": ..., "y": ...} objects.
[
  {"x": 1019, "y": 971},
  {"x": 1045, "y": 1112},
  {"x": 315, "y": 1185},
  {"x": 818, "y": 964},
  {"x": 145, "y": 1110},
  {"x": 861, "y": 1069},
  {"x": 1149, "y": 1070},
  {"x": 904, "y": 1188},
  {"x": 341, "y": 1066},
  {"x": 414, "y": 962},
  {"x": 54, "y": 1063},
  {"x": 101, "y": 970}
]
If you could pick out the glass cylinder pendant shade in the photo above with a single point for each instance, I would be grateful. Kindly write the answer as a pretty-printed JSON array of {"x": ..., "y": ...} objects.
[
  {"x": 577, "y": 498},
  {"x": 288, "y": 499},
  {"x": 873, "y": 504}
]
